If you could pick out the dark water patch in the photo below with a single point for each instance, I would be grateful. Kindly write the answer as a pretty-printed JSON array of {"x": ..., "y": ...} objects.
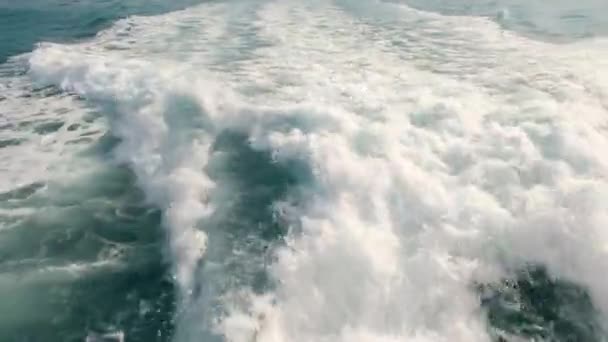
[
  {"x": 258, "y": 179},
  {"x": 80, "y": 141},
  {"x": 73, "y": 127},
  {"x": 257, "y": 183},
  {"x": 80, "y": 224},
  {"x": 46, "y": 91},
  {"x": 25, "y": 23},
  {"x": 536, "y": 306},
  {"x": 249, "y": 183},
  {"x": 8, "y": 126},
  {"x": 105, "y": 224},
  {"x": 243, "y": 229},
  {"x": 10, "y": 142},
  {"x": 61, "y": 111},
  {"x": 137, "y": 301},
  {"x": 89, "y": 260},
  {"x": 48, "y": 127},
  {"x": 25, "y": 124},
  {"x": 90, "y": 117},
  {"x": 103, "y": 146},
  {"x": 89, "y": 133},
  {"x": 106, "y": 187}
]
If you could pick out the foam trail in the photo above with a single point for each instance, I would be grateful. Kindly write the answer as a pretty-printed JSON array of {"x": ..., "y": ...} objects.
[
  {"x": 442, "y": 152},
  {"x": 37, "y": 130},
  {"x": 162, "y": 156}
]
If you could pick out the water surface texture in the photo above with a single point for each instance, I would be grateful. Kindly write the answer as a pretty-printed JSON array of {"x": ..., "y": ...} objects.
[{"x": 303, "y": 171}]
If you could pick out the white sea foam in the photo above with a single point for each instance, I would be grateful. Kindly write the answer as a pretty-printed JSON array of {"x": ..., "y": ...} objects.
[
  {"x": 42, "y": 132},
  {"x": 443, "y": 151}
]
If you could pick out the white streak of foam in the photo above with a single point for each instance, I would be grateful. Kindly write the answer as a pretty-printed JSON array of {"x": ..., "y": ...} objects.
[{"x": 168, "y": 167}]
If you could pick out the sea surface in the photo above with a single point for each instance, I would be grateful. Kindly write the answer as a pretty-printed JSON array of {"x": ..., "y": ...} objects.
[{"x": 303, "y": 171}]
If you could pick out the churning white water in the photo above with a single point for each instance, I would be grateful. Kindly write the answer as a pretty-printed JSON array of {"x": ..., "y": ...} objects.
[{"x": 432, "y": 152}]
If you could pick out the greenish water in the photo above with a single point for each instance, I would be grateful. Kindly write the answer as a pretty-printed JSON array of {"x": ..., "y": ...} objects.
[
  {"x": 88, "y": 260},
  {"x": 536, "y": 306},
  {"x": 25, "y": 23}
]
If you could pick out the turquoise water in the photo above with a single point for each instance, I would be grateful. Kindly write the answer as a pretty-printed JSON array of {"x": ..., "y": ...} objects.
[
  {"x": 25, "y": 23},
  {"x": 303, "y": 170}
]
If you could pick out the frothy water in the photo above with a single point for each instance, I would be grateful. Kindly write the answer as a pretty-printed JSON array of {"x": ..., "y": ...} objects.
[{"x": 313, "y": 171}]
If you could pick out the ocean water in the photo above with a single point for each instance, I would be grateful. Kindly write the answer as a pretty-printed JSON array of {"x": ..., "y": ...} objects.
[{"x": 306, "y": 171}]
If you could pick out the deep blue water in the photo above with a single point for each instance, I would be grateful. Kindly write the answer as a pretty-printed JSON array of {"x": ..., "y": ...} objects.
[{"x": 25, "y": 23}]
